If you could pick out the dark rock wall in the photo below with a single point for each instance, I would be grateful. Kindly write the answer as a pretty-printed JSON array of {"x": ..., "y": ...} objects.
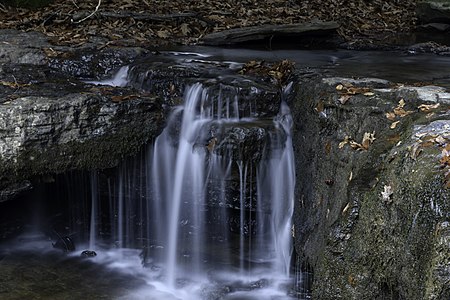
[
  {"x": 76, "y": 131},
  {"x": 371, "y": 224}
]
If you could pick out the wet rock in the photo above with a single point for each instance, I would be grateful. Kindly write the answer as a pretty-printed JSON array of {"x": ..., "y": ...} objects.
[
  {"x": 14, "y": 190},
  {"x": 94, "y": 64},
  {"x": 22, "y": 47},
  {"x": 88, "y": 253},
  {"x": 359, "y": 245},
  {"x": 429, "y": 47},
  {"x": 433, "y": 12}
]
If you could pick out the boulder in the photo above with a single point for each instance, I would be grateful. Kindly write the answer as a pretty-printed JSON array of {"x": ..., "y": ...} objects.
[
  {"x": 433, "y": 11},
  {"x": 372, "y": 196}
]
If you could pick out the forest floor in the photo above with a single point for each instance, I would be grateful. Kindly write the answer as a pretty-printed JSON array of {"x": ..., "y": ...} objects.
[{"x": 150, "y": 23}]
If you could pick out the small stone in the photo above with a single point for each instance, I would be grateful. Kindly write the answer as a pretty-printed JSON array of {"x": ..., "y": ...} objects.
[{"x": 88, "y": 253}]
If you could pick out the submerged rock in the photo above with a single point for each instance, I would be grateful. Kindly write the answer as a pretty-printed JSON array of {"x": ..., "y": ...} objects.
[{"x": 88, "y": 253}]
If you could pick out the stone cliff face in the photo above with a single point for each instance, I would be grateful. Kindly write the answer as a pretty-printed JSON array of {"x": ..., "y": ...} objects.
[
  {"x": 51, "y": 122},
  {"x": 372, "y": 214}
]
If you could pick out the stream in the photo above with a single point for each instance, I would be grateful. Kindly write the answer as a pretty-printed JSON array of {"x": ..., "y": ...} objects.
[{"x": 198, "y": 213}]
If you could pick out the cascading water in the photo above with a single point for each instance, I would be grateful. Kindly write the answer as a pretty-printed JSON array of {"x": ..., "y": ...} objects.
[
  {"x": 183, "y": 166},
  {"x": 210, "y": 202}
]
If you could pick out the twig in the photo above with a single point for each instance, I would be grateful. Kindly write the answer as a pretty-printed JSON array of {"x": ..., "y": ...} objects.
[
  {"x": 91, "y": 14},
  {"x": 3, "y": 8},
  {"x": 75, "y": 3}
]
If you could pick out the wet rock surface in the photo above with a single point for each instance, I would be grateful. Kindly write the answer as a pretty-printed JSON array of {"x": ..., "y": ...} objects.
[
  {"x": 51, "y": 121},
  {"x": 367, "y": 218}
]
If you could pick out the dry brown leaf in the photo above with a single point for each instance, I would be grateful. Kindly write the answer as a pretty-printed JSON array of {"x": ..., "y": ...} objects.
[
  {"x": 394, "y": 124},
  {"x": 344, "y": 142},
  {"x": 368, "y": 139},
  {"x": 445, "y": 159},
  {"x": 401, "y": 112},
  {"x": 320, "y": 106},
  {"x": 428, "y": 107},
  {"x": 390, "y": 116},
  {"x": 344, "y": 98},
  {"x": 357, "y": 90}
]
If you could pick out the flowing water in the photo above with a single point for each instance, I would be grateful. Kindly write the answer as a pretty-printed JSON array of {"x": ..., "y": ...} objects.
[{"x": 197, "y": 215}]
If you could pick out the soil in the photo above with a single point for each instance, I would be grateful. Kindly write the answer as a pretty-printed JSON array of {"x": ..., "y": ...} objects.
[{"x": 150, "y": 23}]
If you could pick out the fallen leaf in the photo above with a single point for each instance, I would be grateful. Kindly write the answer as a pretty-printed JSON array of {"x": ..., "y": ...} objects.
[
  {"x": 445, "y": 159},
  {"x": 369, "y": 94},
  {"x": 368, "y": 139},
  {"x": 344, "y": 142},
  {"x": 394, "y": 124},
  {"x": 344, "y": 98},
  {"x": 400, "y": 111},
  {"x": 346, "y": 208},
  {"x": 390, "y": 116},
  {"x": 320, "y": 106},
  {"x": 339, "y": 87},
  {"x": 387, "y": 193},
  {"x": 428, "y": 107}
]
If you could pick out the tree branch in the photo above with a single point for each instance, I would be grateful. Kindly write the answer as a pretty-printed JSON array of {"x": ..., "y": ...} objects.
[{"x": 90, "y": 15}]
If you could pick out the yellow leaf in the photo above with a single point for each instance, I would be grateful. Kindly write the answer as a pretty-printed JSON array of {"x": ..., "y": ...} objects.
[
  {"x": 368, "y": 139},
  {"x": 339, "y": 87},
  {"x": 344, "y": 142},
  {"x": 369, "y": 94},
  {"x": 428, "y": 107},
  {"x": 394, "y": 124},
  {"x": 390, "y": 116}
]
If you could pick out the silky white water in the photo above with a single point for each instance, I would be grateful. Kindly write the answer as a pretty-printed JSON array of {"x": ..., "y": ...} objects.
[{"x": 207, "y": 215}]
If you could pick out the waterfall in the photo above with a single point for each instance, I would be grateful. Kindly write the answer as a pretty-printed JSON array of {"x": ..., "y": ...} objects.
[
  {"x": 197, "y": 202},
  {"x": 182, "y": 166}
]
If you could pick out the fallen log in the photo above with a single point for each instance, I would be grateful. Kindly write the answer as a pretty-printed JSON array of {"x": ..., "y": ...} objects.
[{"x": 254, "y": 33}]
